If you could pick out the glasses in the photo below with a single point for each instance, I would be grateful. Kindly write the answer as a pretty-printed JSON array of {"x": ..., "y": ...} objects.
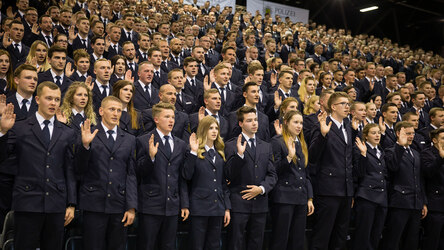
[{"x": 343, "y": 104}]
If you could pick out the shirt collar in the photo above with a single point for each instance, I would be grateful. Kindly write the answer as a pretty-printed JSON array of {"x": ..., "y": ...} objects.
[
  {"x": 106, "y": 129},
  {"x": 20, "y": 98},
  {"x": 54, "y": 75},
  {"x": 74, "y": 112},
  {"x": 248, "y": 138},
  {"x": 208, "y": 148},
  {"x": 162, "y": 135},
  {"x": 338, "y": 124},
  {"x": 209, "y": 112},
  {"x": 40, "y": 119},
  {"x": 80, "y": 74}
]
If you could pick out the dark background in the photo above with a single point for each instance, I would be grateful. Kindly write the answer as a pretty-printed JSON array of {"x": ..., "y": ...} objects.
[{"x": 418, "y": 23}]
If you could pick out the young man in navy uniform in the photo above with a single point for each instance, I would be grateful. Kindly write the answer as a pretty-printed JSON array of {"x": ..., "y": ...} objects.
[
  {"x": 44, "y": 192},
  {"x": 108, "y": 191},
  {"x": 331, "y": 152},
  {"x": 162, "y": 191},
  {"x": 252, "y": 176}
]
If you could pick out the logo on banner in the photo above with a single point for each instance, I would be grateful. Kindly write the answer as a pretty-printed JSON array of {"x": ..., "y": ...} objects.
[{"x": 267, "y": 10}]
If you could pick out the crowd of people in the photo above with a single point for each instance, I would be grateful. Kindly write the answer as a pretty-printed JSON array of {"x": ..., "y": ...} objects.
[{"x": 226, "y": 119}]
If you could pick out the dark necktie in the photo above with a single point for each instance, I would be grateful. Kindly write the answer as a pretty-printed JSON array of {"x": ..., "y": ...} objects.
[
  {"x": 421, "y": 114},
  {"x": 46, "y": 134},
  {"x": 342, "y": 133},
  {"x": 24, "y": 109},
  {"x": 192, "y": 82},
  {"x": 128, "y": 34},
  {"x": 178, "y": 98},
  {"x": 110, "y": 139},
  {"x": 167, "y": 147},
  {"x": 16, "y": 48},
  {"x": 58, "y": 82},
  {"x": 253, "y": 148},
  {"x": 48, "y": 38},
  {"x": 147, "y": 92},
  {"x": 131, "y": 66},
  {"x": 157, "y": 74},
  {"x": 78, "y": 119},
  {"x": 115, "y": 49},
  {"x": 104, "y": 87},
  {"x": 215, "y": 116},
  {"x": 145, "y": 56},
  {"x": 222, "y": 95},
  {"x": 84, "y": 42},
  {"x": 211, "y": 153},
  {"x": 410, "y": 154}
]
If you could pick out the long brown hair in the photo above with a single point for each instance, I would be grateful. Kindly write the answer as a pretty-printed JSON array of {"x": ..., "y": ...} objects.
[
  {"x": 287, "y": 136},
  {"x": 68, "y": 102},
  {"x": 10, "y": 73},
  {"x": 202, "y": 132},
  {"x": 130, "y": 107}
]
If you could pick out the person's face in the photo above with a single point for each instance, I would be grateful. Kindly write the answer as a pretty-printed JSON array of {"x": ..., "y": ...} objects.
[
  {"x": 83, "y": 64},
  {"x": 286, "y": 80},
  {"x": 354, "y": 63},
  {"x": 391, "y": 82},
  {"x": 230, "y": 56},
  {"x": 222, "y": 76},
  {"x": 419, "y": 100},
  {"x": 102, "y": 70},
  {"x": 438, "y": 120},
  {"x": 22, "y": 5},
  {"x": 252, "y": 94},
  {"x": 254, "y": 53},
  {"x": 379, "y": 71},
  {"x": 300, "y": 66},
  {"x": 46, "y": 24},
  {"x": 156, "y": 58},
  {"x": 80, "y": 98},
  {"x": 99, "y": 47},
  {"x": 168, "y": 95},
  {"x": 126, "y": 93},
  {"x": 397, "y": 100},
  {"x": 191, "y": 69},
  {"x": 98, "y": 29},
  {"x": 310, "y": 87},
  {"x": 175, "y": 27},
  {"x": 361, "y": 74},
  {"x": 177, "y": 80},
  {"x": 405, "y": 94},
  {"x": 414, "y": 119},
  {"x": 110, "y": 113},
  {"x": 295, "y": 125},
  {"x": 303, "y": 75},
  {"x": 117, "y": 6},
  {"x": 164, "y": 29},
  {"x": 341, "y": 107},
  {"x": 176, "y": 46},
  {"x": 326, "y": 81},
  {"x": 62, "y": 41},
  {"x": 55, "y": 14},
  {"x": 338, "y": 76},
  {"x": 4, "y": 64},
  {"x": 213, "y": 131},
  {"x": 152, "y": 23},
  {"x": 391, "y": 115},
  {"x": 316, "y": 105},
  {"x": 40, "y": 53},
  {"x": 439, "y": 140},
  {"x": 115, "y": 34},
  {"x": 31, "y": 16},
  {"x": 129, "y": 51},
  {"x": 258, "y": 76},
  {"x": 410, "y": 134},
  {"x": 17, "y": 32},
  {"x": 58, "y": 61},
  {"x": 165, "y": 120},
  {"x": 427, "y": 89},
  {"x": 371, "y": 111},
  {"x": 105, "y": 10},
  {"x": 401, "y": 79},
  {"x": 271, "y": 47},
  {"x": 83, "y": 26},
  {"x": 48, "y": 101},
  {"x": 119, "y": 68},
  {"x": 146, "y": 73},
  {"x": 359, "y": 112},
  {"x": 27, "y": 81},
  {"x": 249, "y": 124},
  {"x": 213, "y": 102},
  {"x": 128, "y": 22},
  {"x": 92, "y": 4},
  {"x": 352, "y": 93},
  {"x": 144, "y": 42},
  {"x": 374, "y": 136},
  {"x": 163, "y": 46}
]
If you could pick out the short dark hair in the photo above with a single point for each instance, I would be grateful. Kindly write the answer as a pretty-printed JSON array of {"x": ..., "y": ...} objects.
[
  {"x": 56, "y": 48},
  {"x": 243, "y": 111},
  {"x": 247, "y": 85}
]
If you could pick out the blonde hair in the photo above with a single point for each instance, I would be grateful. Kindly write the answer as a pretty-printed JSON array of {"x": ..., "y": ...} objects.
[
  {"x": 309, "y": 106},
  {"x": 68, "y": 102},
  {"x": 287, "y": 136},
  {"x": 202, "y": 132},
  {"x": 303, "y": 88},
  {"x": 31, "y": 55}
]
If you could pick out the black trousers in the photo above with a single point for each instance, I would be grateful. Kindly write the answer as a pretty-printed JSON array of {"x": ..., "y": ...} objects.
[
  {"x": 157, "y": 230},
  {"x": 206, "y": 232},
  {"x": 331, "y": 222},
  {"x": 402, "y": 222},
  {"x": 288, "y": 226},
  {"x": 38, "y": 230},
  {"x": 433, "y": 231},
  {"x": 254, "y": 224},
  {"x": 370, "y": 218},
  {"x": 103, "y": 231},
  {"x": 6, "y": 184}
]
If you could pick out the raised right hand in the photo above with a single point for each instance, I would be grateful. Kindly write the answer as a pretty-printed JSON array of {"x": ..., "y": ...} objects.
[
  {"x": 8, "y": 119},
  {"x": 194, "y": 143},
  {"x": 87, "y": 136},
  {"x": 361, "y": 146},
  {"x": 325, "y": 128},
  {"x": 241, "y": 146},
  {"x": 152, "y": 148}
]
